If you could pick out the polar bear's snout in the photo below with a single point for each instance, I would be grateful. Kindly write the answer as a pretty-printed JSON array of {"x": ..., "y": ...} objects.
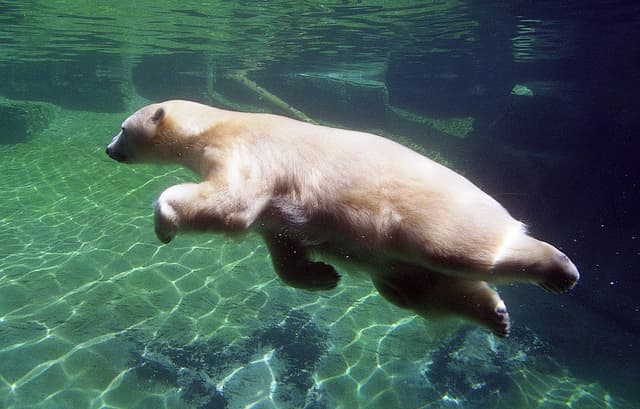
[{"x": 116, "y": 149}]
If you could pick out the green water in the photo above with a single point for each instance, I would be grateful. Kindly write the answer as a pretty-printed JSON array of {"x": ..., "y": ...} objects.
[
  {"x": 95, "y": 313},
  {"x": 86, "y": 291},
  {"x": 85, "y": 283}
]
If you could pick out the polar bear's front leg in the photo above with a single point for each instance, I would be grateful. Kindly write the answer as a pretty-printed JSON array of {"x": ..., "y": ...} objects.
[
  {"x": 203, "y": 207},
  {"x": 165, "y": 221}
]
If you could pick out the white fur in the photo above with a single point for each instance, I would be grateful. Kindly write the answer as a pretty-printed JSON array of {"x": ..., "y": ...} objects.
[
  {"x": 510, "y": 235},
  {"x": 427, "y": 237},
  {"x": 167, "y": 211}
]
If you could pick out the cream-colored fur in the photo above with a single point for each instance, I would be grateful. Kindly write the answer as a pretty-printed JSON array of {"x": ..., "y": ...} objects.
[{"x": 427, "y": 237}]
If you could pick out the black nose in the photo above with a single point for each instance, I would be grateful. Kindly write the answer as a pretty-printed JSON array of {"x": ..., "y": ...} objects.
[{"x": 115, "y": 154}]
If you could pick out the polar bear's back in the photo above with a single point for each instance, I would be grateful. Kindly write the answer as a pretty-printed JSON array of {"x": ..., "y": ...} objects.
[
  {"x": 336, "y": 165},
  {"x": 372, "y": 160},
  {"x": 382, "y": 186}
]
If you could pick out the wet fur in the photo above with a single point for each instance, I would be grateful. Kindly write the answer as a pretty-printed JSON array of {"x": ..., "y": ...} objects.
[{"x": 427, "y": 237}]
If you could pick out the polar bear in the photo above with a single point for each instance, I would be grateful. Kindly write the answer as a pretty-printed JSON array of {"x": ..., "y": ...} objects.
[{"x": 429, "y": 239}]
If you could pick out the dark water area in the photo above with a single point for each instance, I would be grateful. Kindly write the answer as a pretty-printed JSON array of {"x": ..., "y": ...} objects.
[{"x": 535, "y": 102}]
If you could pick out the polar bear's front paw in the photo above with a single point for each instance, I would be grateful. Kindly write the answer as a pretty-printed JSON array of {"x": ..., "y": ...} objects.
[{"x": 166, "y": 221}]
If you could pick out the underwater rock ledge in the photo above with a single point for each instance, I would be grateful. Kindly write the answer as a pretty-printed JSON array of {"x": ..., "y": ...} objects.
[{"x": 21, "y": 119}]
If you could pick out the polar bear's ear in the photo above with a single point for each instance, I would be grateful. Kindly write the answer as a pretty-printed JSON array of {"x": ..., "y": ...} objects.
[{"x": 157, "y": 117}]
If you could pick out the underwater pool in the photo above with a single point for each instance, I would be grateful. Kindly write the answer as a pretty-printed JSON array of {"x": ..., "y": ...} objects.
[{"x": 96, "y": 313}]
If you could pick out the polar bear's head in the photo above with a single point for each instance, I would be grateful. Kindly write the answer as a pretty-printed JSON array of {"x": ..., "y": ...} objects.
[
  {"x": 172, "y": 131},
  {"x": 140, "y": 138}
]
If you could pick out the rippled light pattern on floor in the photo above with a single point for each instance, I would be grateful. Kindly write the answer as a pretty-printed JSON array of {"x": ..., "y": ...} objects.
[{"x": 94, "y": 313}]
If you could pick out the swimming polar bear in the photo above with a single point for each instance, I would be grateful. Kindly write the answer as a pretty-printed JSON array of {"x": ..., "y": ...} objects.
[{"x": 428, "y": 238}]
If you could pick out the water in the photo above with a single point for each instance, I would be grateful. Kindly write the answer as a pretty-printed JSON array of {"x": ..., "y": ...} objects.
[{"x": 535, "y": 102}]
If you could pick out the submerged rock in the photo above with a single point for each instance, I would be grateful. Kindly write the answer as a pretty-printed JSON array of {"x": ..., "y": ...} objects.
[
  {"x": 211, "y": 374},
  {"x": 88, "y": 81},
  {"x": 21, "y": 119},
  {"x": 521, "y": 90},
  {"x": 541, "y": 116},
  {"x": 473, "y": 368},
  {"x": 190, "y": 74},
  {"x": 353, "y": 97}
]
